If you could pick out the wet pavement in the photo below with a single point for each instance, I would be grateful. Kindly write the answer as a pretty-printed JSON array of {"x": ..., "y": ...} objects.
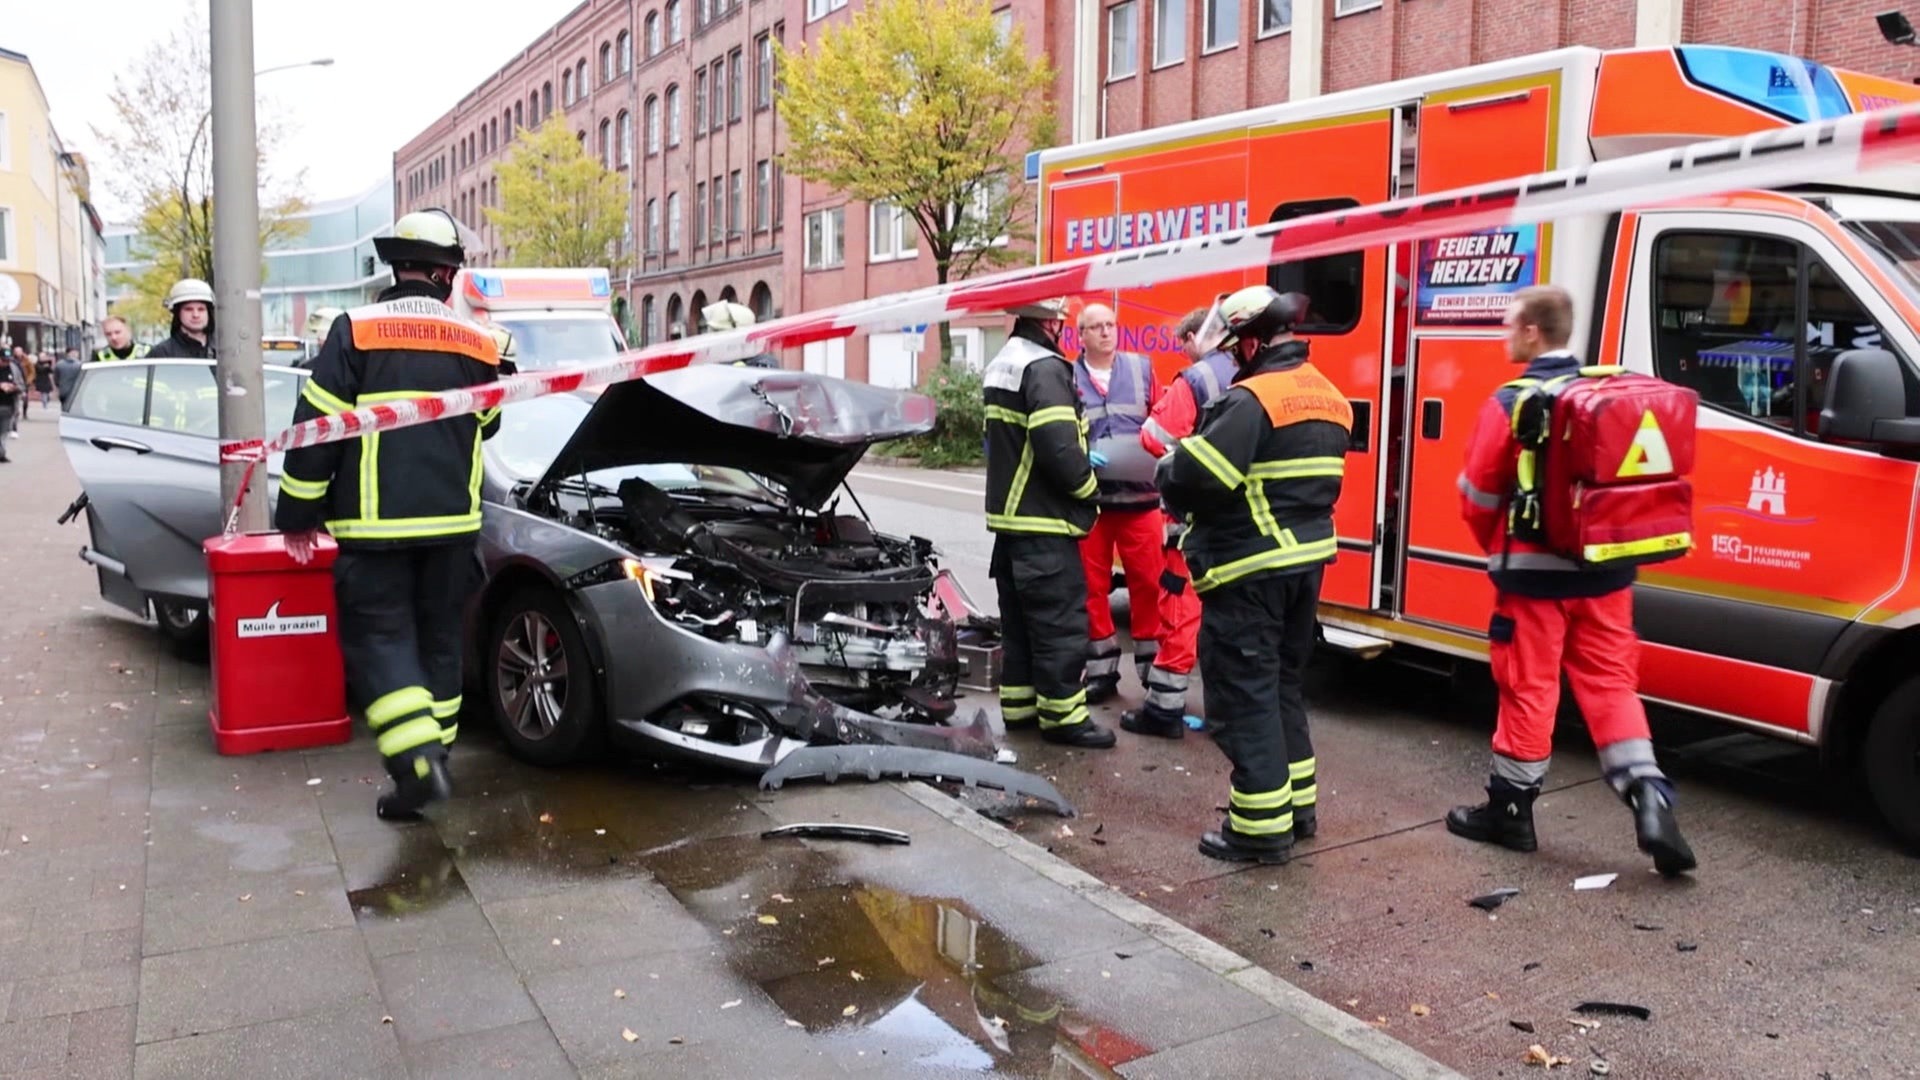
[
  {"x": 167, "y": 912},
  {"x": 1794, "y": 951}
]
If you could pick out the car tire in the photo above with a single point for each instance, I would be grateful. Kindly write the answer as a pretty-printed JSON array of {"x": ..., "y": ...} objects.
[
  {"x": 543, "y": 723},
  {"x": 183, "y": 626},
  {"x": 1892, "y": 760}
]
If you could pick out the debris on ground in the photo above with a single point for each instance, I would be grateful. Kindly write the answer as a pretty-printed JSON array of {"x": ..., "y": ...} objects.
[
  {"x": 1648, "y": 926},
  {"x": 1594, "y": 881},
  {"x": 1600, "y": 1068},
  {"x": 627, "y": 1034},
  {"x": 1494, "y": 899},
  {"x": 1521, "y": 1025},
  {"x": 1420, "y": 1010},
  {"x": 1583, "y": 1025},
  {"x": 1538, "y": 1055},
  {"x": 1306, "y": 965},
  {"x": 1530, "y": 965},
  {"x": 849, "y": 1010},
  {"x": 1686, "y": 946},
  {"x": 769, "y": 920},
  {"x": 872, "y": 834},
  {"x": 1614, "y": 1008}
]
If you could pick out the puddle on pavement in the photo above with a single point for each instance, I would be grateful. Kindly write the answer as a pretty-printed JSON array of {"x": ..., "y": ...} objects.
[{"x": 417, "y": 885}]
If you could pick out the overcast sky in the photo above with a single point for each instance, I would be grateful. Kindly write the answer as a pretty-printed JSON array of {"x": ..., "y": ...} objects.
[{"x": 398, "y": 64}]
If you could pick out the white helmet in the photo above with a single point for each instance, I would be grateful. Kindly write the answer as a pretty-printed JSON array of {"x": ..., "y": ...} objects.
[
  {"x": 1045, "y": 310},
  {"x": 726, "y": 315},
  {"x": 503, "y": 340},
  {"x": 186, "y": 289},
  {"x": 321, "y": 321},
  {"x": 429, "y": 236}
]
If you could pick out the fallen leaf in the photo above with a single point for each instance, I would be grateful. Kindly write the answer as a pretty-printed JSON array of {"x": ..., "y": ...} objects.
[
  {"x": 849, "y": 1010},
  {"x": 731, "y": 1004},
  {"x": 618, "y": 993},
  {"x": 795, "y": 1024},
  {"x": 768, "y": 920},
  {"x": 1353, "y": 1003},
  {"x": 556, "y": 941},
  {"x": 1420, "y": 1010},
  {"x": 90, "y": 765},
  {"x": 1537, "y": 1055},
  {"x": 546, "y": 819},
  {"x": 857, "y": 977},
  {"x": 386, "y": 1019},
  {"x": 246, "y": 897},
  {"x": 1106, "y": 974},
  {"x": 1583, "y": 1025},
  {"x": 677, "y": 1040},
  {"x": 599, "y": 832},
  {"x": 1166, "y": 888},
  {"x": 1493, "y": 996},
  {"x": 1380, "y": 1021},
  {"x": 1066, "y": 830},
  {"x": 779, "y": 899},
  {"x": 823, "y": 961},
  {"x": 299, "y": 892},
  {"x": 627, "y": 1034}
]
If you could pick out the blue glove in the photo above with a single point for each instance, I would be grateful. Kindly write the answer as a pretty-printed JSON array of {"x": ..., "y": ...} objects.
[{"x": 1098, "y": 459}]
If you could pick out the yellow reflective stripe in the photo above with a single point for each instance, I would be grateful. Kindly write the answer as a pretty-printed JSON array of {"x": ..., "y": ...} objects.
[
  {"x": 370, "y": 476},
  {"x": 1007, "y": 416},
  {"x": 1056, "y": 704},
  {"x": 485, "y": 416},
  {"x": 1300, "y": 770},
  {"x": 414, "y": 733},
  {"x": 1261, "y": 826},
  {"x": 1626, "y": 549},
  {"x": 1077, "y": 715},
  {"x": 390, "y": 707},
  {"x": 1089, "y": 489},
  {"x": 473, "y": 482},
  {"x": 296, "y": 488},
  {"x": 403, "y": 528},
  {"x": 1021, "y": 474},
  {"x": 448, "y": 708},
  {"x": 1306, "y": 796},
  {"x": 1297, "y": 468},
  {"x": 447, "y": 733},
  {"x": 1039, "y": 525},
  {"x": 1216, "y": 462},
  {"x": 1261, "y": 510},
  {"x": 1017, "y": 691},
  {"x": 1290, "y": 555},
  {"x": 1277, "y": 799},
  {"x": 321, "y": 398},
  {"x": 392, "y": 395},
  {"x": 1053, "y": 414}
]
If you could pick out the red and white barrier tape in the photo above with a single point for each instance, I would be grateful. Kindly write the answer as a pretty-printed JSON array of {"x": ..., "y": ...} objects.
[{"x": 1798, "y": 154}]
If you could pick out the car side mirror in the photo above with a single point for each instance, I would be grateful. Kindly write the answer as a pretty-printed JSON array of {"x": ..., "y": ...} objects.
[{"x": 1867, "y": 400}]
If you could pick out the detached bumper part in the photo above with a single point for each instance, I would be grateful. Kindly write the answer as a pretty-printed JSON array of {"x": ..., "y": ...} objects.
[
  {"x": 875, "y": 762},
  {"x": 872, "y": 834}
]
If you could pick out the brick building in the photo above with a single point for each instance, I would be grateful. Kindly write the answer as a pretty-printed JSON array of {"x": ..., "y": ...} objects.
[{"x": 711, "y": 211}]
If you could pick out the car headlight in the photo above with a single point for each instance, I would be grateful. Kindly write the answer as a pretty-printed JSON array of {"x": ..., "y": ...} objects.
[{"x": 655, "y": 579}]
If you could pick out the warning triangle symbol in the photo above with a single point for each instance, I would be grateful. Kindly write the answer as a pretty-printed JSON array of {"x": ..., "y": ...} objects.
[{"x": 1648, "y": 454}]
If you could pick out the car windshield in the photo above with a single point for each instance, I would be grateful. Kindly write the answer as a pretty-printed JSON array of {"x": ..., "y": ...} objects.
[
  {"x": 533, "y": 432},
  {"x": 1897, "y": 243},
  {"x": 547, "y": 343}
]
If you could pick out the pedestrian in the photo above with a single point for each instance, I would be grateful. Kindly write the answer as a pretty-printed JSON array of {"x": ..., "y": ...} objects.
[
  {"x": 1550, "y": 616},
  {"x": 1040, "y": 489},
  {"x": 1174, "y": 415},
  {"x": 66, "y": 377},
  {"x": 402, "y": 505},
  {"x": 23, "y": 398},
  {"x": 191, "y": 337},
  {"x": 13, "y": 382},
  {"x": 1116, "y": 391},
  {"x": 43, "y": 379},
  {"x": 120, "y": 344},
  {"x": 1257, "y": 483}
]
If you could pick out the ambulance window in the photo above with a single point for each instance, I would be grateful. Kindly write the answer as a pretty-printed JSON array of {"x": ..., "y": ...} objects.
[
  {"x": 1723, "y": 316},
  {"x": 1332, "y": 283},
  {"x": 1837, "y": 322}
]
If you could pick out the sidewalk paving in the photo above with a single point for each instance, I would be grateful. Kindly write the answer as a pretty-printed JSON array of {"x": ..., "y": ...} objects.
[{"x": 167, "y": 912}]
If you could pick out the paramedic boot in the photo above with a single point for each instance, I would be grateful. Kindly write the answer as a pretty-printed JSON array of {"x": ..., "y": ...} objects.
[
  {"x": 1103, "y": 669},
  {"x": 419, "y": 777},
  {"x": 1506, "y": 818},
  {"x": 1086, "y": 735},
  {"x": 1656, "y": 828},
  {"x": 1151, "y": 721},
  {"x": 1229, "y": 846}
]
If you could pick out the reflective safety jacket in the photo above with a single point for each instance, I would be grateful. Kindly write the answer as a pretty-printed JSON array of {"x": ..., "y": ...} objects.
[
  {"x": 1120, "y": 411},
  {"x": 412, "y": 485},
  {"x": 1178, "y": 410},
  {"x": 1258, "y": 480},
  {"x": 134, "y": 352},
  {"x": 1039, "y": 481}
]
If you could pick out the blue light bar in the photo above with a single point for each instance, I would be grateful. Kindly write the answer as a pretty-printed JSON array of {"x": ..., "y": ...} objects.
[{"x": 489, "y": 285}]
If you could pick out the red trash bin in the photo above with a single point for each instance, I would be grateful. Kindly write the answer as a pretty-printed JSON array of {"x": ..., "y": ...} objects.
[{"x": 278, "y": 681}]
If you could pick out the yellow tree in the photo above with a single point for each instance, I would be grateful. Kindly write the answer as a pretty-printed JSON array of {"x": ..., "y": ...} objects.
[
  {"x": 559, "y": 206},
  {"x": 925, "y": 105}
]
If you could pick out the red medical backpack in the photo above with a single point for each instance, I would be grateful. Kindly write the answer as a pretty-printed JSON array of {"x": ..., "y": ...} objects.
[{"x": 1603, "y": 465}]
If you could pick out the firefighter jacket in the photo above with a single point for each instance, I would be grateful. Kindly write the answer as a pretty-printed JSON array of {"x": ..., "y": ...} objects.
[
  {"x": 1039, "y": 481},
  {"x": 178, "y": 346},
  {"x": 411, "y": 485},
  {"x": 1175, "y": 414},
  {"x": 1487, "y": 483},
  {"x": 1119, "y": 411},
  {"x": 134, "y": 352},
  {"x": 1258, "y": 480}
]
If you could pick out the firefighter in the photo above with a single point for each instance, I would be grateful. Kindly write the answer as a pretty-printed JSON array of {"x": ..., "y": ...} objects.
[
  {"x": 1551, "y": 615},
  {"x": 1040, "y": 489},
  {"x": 191, "y": 337},
  {"x": 404, "y": 505},
  {"x": 1116, "y": 392},
  {"x": 1172, "y": 419},
  {"x": 1257, "y": 483},
  {"x": 727, "y": 315}
]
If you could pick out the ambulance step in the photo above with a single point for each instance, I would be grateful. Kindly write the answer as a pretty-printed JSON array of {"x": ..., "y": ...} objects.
[{"x": 1365, "y": 646}]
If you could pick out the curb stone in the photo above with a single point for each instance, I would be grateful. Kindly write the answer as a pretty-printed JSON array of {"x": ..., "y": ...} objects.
[{"x": 1356, "y": 1035}]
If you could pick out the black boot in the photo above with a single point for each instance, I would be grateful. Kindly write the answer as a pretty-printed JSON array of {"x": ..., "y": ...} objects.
[
  {"x": 1306, "y": 822},
  {"x": 1148, "y": 722},
  {"x": 1230, "y": 846},
  {"x": 1102, "y": 690},
  {"x": 1506, "y": 818},
  {"x": 1657, "y": 830},
  {"x": 1086, "y": 734},
  {"x": 419, "y": 777}
]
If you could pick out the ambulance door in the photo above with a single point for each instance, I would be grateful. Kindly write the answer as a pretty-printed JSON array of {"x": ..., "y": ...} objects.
[
  {"x": 1311, "y": 167},
  {"x": 1795, "y": 537}
]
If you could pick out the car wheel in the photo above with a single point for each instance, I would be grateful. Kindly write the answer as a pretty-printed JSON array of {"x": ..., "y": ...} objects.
[
  {"x": 183, "y": 626},
  {"x": 1892, "y": 758},
  {"x": 540, "y": 683}
]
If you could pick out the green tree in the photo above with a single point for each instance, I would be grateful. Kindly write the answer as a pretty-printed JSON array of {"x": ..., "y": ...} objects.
[
  {"x": 159, "y": 151},
  {"x": 559, "y": 206},
  {"x": 925, "y": 105}
]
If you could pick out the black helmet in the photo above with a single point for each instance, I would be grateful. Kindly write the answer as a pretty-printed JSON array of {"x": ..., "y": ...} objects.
[
  {"x": 430, "y": 237},
  {"x": 1257, "y": 313}
]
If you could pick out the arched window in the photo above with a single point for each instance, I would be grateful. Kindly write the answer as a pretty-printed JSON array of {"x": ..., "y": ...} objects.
[
  {"x": 729, "y": 295},
  {"x": 519, "y": 118},
  {"x": 626, "y": 52},
  {"x": 676, "y": 26},
  {"x": 653, "y": 124},
  {"x": 606, "y": 143},
  {"x": 673, "y": 115},
  {"x": 673, "y": 224},
  {"x": 649, "y": 321},
  {"x": 580, "y": 77},
  {"x": 606, "y": 63},
  {"x": 546, "y": 99},
  {"x": 653, "y": 224},
  {"x": 761, "y": 302},
  {"x": 653, "y": 33},
  {"x": 675, "y": 328},
  {"x": 566, "y": 88},
  {"x": 626, "y": 138},
  {"x": 694, "y": 307}
]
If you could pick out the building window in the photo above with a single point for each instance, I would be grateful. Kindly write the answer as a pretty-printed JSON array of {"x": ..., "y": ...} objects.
[
  {"x": 606, "y": 63},
  {"x": 626, "y": 52},
  {"x": 673, "y": 116},
  {"x": 700, "y": 213},
  {"x": 1169, "y": 32},
  {"x": 719, "y": 116},
  {"x": 762, "y": 194},
  {"x": 826, "y": 233},
  {"x": 673, "y": 222},
  {"x": 1275, "y": 16},
  {"x": 566, "y": 88},
  {"x": 606, "y": 143},
  {"x": 714, "y": 222},
  {"x": 653, "y": 125},
  {"x": 734, "y": 182},
  {"x": 891, "y": 233},
  {"x": 736, "y": 75},
  {"x": 986, "y": 196},
  {"x": 763, "y": 71},
  {"x": 519, "y": 118},
  {"x": 546, "y": 99},
  {"x": 701, "y": 13},
  {"x": 626, "y": 138},
  {"x": 699, "y": 102},
  {"x": 820, "y": 9},
  {"x": 1003, "y": 24},
  {"x": 1349, "y": 7},
  {"x": 653, "y": 224},
  {"x": 676, "y": 27},
  {"x": 6, "y": 235},
  {"x": 778, "y": 196},
  {"x": 649, "y": 321},
  {"x": 653, "y": 34},
  {"x": 580, "y": 81},
  {"x": 1123, "y": 39},
  {"x": 1222, "y": 24}
]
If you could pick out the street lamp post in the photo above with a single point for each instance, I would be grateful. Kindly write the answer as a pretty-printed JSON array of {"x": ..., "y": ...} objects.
[
  {"x": 193, "y": 147},
  {"x": 236, "y": 258}
]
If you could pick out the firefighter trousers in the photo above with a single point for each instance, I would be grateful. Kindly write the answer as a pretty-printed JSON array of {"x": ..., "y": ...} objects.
[
  {"x": 1137, "y": 536},
  {"x": 1043, "y": 630},
  {"x": 1256, "y": 636},
  {"x": 1531, "y": 641},
  {"x": 400, "y": 637}
]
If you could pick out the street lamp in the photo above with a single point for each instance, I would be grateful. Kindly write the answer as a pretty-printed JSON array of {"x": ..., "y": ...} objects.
[{"x": 202, "y": 128}]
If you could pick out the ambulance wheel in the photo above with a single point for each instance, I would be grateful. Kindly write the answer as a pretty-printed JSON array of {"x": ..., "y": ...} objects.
[
  {"x": 540, "y": 685},
  {"x": 1892, "y": 758},
  {"x": 183, "y": 626}
]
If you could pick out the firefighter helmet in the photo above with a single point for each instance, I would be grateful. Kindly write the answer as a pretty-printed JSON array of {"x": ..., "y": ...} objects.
[
  {"x": 186, "y": 289},
  {"x": 429, "y": 236},
  {"x": 1044, "y": 310},
  {"x": 726, "y": 315},
  {"x": 321, "y": 321},
  {"x": 1256, "y": 314}
]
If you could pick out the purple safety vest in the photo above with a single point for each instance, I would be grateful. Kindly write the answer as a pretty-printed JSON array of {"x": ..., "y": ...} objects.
[
  {"x": 1121, "y": 411},
  {"x": 1209, "y": 377}
]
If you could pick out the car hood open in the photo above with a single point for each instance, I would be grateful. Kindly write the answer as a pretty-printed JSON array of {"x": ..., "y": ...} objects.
[{"x": 804, "y": 430}]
